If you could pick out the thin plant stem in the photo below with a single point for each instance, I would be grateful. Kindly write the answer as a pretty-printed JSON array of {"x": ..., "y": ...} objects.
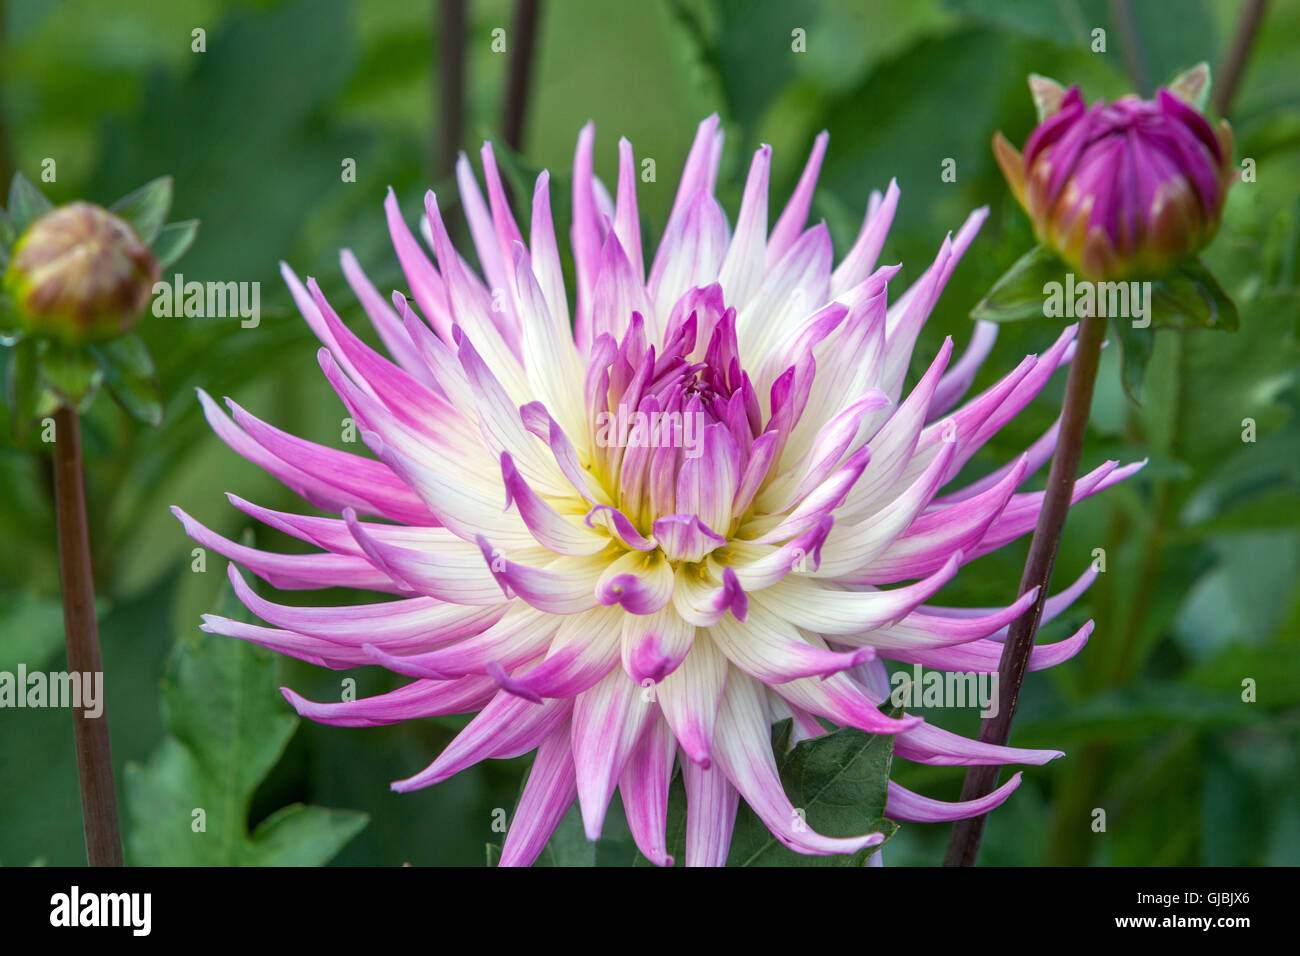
[
  {"x": 450, "y": 121},
  {"x": 523, "y": 41},
  {"x": 1234, "y": 63},
  {"x": 964, "y": 844},
  {"x": 94, "y": 755}
]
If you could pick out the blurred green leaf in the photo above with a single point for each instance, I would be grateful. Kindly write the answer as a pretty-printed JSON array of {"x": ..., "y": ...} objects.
[
  {"x": 1145, "y": 708},
  {"x": 130, "y": 378},
  {"x": 1064, "y": 22},
  {"x": 1275, "y": 669},
  {"x": 7, "y": 237},
  {"x": 31, "y": 630},
  {"x": 199, "y": 127},
  {"x": 1270, "y": 463},
  {"x": 1241, "y": 599},
  {"x": 745, "y": 47},
  {"x": 71, "y": 371},
  {"x": 1020, "y": 295},
  {"x": 26, "y": 203},
  {"x": 1191, "y": 298},
  {"x": 146, "y": 208},
  {"x": 24, "y": 380},
  {"x": 568, "y": 845},
  {"x": 174, "y": 241},
  {"x": 1136, "y": 347}
]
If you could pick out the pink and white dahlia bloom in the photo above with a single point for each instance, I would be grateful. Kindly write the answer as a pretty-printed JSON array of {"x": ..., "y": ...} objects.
[{"x": 635, "y": 535}]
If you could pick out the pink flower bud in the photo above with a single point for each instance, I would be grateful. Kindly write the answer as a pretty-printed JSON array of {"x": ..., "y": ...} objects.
[{"x": 1120, "y": 189}]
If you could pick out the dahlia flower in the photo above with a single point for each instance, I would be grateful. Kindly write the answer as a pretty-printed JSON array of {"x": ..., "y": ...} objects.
[
  {"x": 1121, "y": 189},
  {"x": 624, "y": 604}
]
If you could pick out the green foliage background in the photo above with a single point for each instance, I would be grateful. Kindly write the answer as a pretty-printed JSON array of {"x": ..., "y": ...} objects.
[{"x": 1203, "y": 547}]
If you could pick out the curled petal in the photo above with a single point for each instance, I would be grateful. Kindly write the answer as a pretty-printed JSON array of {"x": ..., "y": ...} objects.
[
  {"x": 556, "y": 590},
  {"x": 685, "y": 537},
  {"x": 903, "y": 804},
  {"x": 506, "y": 727},
  {"x": 423, "y": 698},
  {"x": 700, "y": 599},
  {"x": 641, "y": 583}
]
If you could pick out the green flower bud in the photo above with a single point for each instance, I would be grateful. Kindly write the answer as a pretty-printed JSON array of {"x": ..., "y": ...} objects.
[{"x": 80, "y": 274}]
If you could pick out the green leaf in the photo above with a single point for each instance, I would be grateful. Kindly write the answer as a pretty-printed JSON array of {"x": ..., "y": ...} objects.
[
  {"x": 299, "y": 835},
  {"x": 569, "y": 845},
  {"x": 227, "y": 726},
  {"x": 26, "y": 203},
  {"x": 7, "y": 236},
  {"x": 24, "y": 386},
  {"x": 1145, "y": 708},
  {"x": 1271, "y": 464},
  {"x": 839, "y": 781},
  {"x": 1136, "y": 346},
  {"x": 174, "y": 241},
  {"x": 1191, "y": 298},
  {"x": 71, "y": 371},
  {"x": 129, "y": 374},
  {"x": 1065, "y": 23},
  {"x": 742, "y": 49},
  {"x": 32, "y": 629},
  {"x": 146, "y": 208},
  {"x": 1020, "y": 294},
  {"x": 1275, "y": 668},
  {"x": 1243, "y": 596}
]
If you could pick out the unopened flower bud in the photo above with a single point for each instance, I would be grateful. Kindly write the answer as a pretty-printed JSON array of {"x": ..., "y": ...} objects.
[
  {"x": 80, "y": 274},
  {"x": 1121, "y": 189}
]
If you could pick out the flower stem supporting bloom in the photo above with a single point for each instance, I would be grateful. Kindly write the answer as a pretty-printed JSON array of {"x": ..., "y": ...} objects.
[
  {"x": 964, "y": 844},
  {"x": 94, "y": 756}
]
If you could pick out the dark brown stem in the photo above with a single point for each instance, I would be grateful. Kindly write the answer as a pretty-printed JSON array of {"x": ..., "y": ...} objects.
[
  {"x": 94, "y": 755},
  {"x": 964, "y": 844},
  {"x": 1234, "y": 63},
  {"x": 522, "y": 42},
  {"x": 450, "y": 120}
]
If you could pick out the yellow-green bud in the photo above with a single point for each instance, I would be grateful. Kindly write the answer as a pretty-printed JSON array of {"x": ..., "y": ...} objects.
[{"x": 80, "y": 274}]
